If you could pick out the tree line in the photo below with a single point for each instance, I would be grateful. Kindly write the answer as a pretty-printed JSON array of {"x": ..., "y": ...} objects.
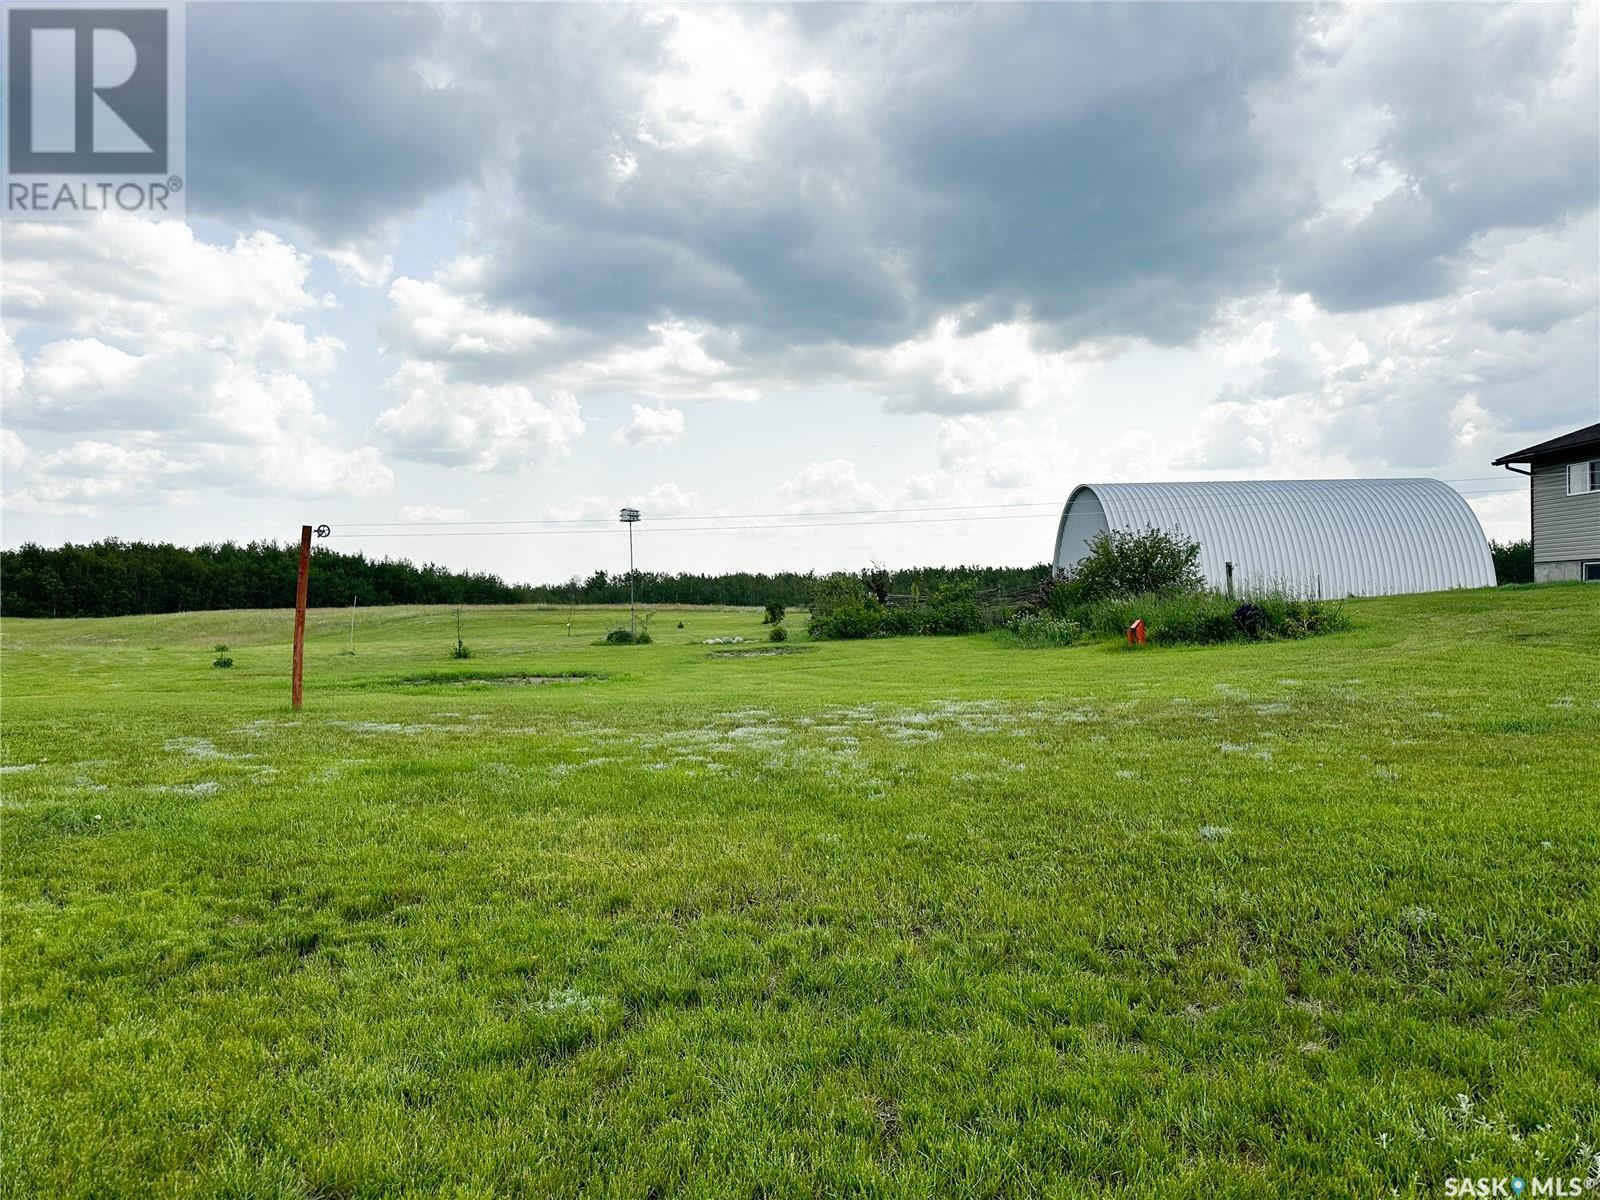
[{"x": 113, "y": 578}]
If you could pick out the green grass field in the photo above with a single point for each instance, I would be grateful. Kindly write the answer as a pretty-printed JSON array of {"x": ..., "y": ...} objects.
[{"x": 925, "y": 917}]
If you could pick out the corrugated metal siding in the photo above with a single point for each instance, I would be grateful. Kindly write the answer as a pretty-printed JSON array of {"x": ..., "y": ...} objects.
[
  {"x": 1328, "y": 537},
  {"x": 1564, "y": 527}
]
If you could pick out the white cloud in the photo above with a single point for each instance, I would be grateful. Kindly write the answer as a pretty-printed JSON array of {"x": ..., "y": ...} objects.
[
  {"x": 651, "y": 427},
  {"x": 194, "y": 355},
  {"x": 663, "y": 500},
  {"x": 484, "y": 427},
  {"x": 828, "y": 486},
  {"x": 950, "y": 370},
  {"x": 1230, "y": 436},
  {"x": 366, "y": 263},
  {"x": 82, "y": 477},
  {"x": 1506, "y": 516},
  {"x": 1011, "y": 454},
  {"x": 429, "y": 320},
  {"x": 432, "y": 512}
]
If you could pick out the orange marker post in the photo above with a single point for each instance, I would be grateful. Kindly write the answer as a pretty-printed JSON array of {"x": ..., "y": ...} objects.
[{"x": 296, "y": 687}]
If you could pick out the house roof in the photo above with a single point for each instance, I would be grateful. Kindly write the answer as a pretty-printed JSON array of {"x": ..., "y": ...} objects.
[{"x": 1579, "y": 440}]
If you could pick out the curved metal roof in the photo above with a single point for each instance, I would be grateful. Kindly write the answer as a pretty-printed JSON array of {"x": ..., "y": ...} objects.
[{"x": 1327, "y": 537}]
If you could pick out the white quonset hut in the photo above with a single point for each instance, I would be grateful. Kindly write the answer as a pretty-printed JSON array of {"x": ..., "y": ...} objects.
[{"x": 1311, "y": 537}]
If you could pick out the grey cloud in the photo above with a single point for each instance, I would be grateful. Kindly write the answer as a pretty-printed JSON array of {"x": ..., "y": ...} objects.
[
  {"x": 322, "y": 114},
  {"x": 1090, "y": 167},
  {"x": 1493, "y": 116},
  {"x": 1103, "y": 170}
]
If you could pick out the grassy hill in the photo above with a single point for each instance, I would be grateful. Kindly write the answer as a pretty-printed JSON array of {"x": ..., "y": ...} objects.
[{"x": 921, "y": 917}]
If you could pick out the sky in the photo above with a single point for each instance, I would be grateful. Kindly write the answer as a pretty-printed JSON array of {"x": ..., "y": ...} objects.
[{"x": 892, "y": 279}]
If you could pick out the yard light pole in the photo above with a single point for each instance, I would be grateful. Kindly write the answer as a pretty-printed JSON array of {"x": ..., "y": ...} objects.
[{"x": 630, "y": 518}]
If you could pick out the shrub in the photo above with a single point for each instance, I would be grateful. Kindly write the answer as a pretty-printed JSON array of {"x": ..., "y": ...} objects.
[
  {"x": 461, "y": 650},
  {"x": 849, "y": 623},
  {"x": 1126, "y": 562},
  {"x": 222, "y": 661},
  {"x": 1203, "y": 618},
  {"x": 778, "y": 634},
  {"x": 954, "y": 608},
  {"x": 1513, "y": 561},
  {"x": 847, "y": 606},
  {"x": 1250, "y": 619},
  {"x": 841, "y": 607},
  {"x": 1059, "y": 595},
  {"x": 1043, "y": 629},
  {"x": 877, "y": 579},
  {"x": 903, "y": 621},
  {"x": 775, "y": 613},
  {"x": 623, "y": 636}
]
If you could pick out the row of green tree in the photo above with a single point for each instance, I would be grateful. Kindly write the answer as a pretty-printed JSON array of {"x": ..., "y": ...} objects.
[
  {"x": 791, "y": 589},
  {"x": 116, "y": 578}
]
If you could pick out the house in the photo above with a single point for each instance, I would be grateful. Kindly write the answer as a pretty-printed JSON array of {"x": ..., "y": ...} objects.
[
  {"x": 1564, "y": 489},
  {"x": 1309, "y": 537}
]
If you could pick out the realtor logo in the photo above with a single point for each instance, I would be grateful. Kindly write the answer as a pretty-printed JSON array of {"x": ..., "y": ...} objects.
[{"x": 94, "y": 110}]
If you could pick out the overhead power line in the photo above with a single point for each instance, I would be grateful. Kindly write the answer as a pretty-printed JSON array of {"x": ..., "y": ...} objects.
[
  {"x": 790, "y": 520},
  {"x": 837, "y": 512},
  {"x": 746, "y": 521},
  {"x": 688, "y": 528}
]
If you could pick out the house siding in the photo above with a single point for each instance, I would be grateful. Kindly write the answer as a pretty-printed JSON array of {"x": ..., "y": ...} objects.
[{"x": 1565, "y": 528}]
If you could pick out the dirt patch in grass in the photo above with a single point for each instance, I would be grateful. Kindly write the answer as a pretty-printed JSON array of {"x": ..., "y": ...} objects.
[
  {"x": 437, "y": 679},
  {"x": 767, "y": 652}
]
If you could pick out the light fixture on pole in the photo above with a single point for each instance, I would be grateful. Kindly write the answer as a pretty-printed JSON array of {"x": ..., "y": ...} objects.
[{"x": 630, "y": 518}]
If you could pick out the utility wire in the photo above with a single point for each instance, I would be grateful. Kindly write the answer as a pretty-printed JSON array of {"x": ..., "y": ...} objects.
[
  {"x": 589, "y": 524},
  {"x": 838, "y": 512},
  {"x": 1150, "y": 506},
  {"x": 688, "y": 528}
]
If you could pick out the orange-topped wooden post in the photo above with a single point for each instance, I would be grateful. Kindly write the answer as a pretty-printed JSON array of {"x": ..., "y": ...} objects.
[{"x": 297, "y": 684}]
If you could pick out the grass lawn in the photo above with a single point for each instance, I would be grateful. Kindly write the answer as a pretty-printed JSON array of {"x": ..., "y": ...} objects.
[{"x": 922, "y": 917}]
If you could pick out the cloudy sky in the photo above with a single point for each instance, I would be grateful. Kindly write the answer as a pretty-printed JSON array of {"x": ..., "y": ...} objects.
[{"x": 780, "y": 265}]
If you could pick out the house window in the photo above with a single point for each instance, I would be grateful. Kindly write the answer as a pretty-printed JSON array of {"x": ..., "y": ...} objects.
[
  {"x": 1591, "y": 570},
  {"x": 1583, "y": 478}
]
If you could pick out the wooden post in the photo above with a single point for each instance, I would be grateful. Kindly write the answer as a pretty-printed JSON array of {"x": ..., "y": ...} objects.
[{"x": 300, "y": 616}]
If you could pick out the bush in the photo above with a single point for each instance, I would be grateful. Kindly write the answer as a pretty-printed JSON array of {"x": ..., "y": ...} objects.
[
  {"x": 1205, "y": 618},
  {"x": 623, "y": 636},
  {"x": 224, "y": 662},
  {"x": 841, "y": 607},
  {"x": 877, "y": 580},
  {"x": 954, "y": 608},
  {"x": 1059, "y": 595},
  {"x": 847, "y": 606},
  {"x": 1513, "y": 561},
  {"x": 1036, "y": 630},
  {"x": 1126, "y": 562},
  {"x": 904, "y": 621},
  {"x": 775, "y": 613},
  {"x": 461, "y": 650},
  {"x": 1250, "y": 619},
  {"x": 848, "y": 623},
  {"x": 778, "y": 634}
]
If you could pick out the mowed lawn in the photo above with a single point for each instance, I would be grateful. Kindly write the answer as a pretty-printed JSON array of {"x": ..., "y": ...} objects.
[{"x": 932, "y": 917}]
